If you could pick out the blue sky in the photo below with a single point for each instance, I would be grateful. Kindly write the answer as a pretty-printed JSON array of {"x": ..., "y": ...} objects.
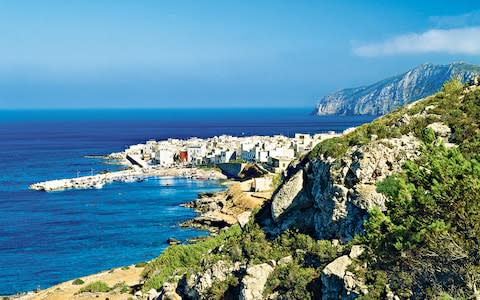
[{"x": 100, "y": 53}]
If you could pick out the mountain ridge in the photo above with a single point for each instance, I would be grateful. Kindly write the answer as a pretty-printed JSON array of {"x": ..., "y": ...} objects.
[{"x": 396, "y": 91}]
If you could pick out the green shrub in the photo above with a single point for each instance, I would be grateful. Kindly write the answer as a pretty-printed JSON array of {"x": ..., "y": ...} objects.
[
  {"x": 277, "y": 180},
  {"x": 141, "y": 264},
  {"x": 220, "y": 288},
  {"x": 452, "y": 87},
  {"x": 294, "y": 282},
  {"x": 178, "y": 259},
  {"x": 122, "y": 287},
  {"x": 125, "y": 268},
  {"x": 78, "y": 281},
  {"x": 433, "y": 207},
  {"x": 95, "y": 287}
]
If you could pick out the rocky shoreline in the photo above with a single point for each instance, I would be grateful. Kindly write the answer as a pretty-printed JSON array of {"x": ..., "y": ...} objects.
[
  {"x": 222, "y": 209},
  {"x": 216, "y": 211}
]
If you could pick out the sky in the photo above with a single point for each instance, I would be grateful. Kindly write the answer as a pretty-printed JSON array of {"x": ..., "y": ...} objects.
[{"x": 156, "y": 54}]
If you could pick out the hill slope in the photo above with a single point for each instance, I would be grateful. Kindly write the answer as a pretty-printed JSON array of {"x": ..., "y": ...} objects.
[
  {"x": 389, "y": 94},
  {"x": 390, "y": 210}
]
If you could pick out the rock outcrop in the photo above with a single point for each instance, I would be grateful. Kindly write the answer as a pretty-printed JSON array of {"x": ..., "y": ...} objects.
[
  {"x": 196, "y": 285},
  {"x": 332, "y": 198},
  {"x": 338, "y": 282},
  {"x": 389, "y": 94},
  {"x": 253, "y": 282},
  {"x": 222, "y": 209},
  {"x": 168, "y": 292}
]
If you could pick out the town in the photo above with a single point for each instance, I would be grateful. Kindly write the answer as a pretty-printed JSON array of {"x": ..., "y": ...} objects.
[
  {"x": 274, "y": 153},
  {"x": 186, "y": 158}
]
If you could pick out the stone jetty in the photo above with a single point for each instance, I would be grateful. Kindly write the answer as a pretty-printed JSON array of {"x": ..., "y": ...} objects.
[{"x": 131, "y": 175}]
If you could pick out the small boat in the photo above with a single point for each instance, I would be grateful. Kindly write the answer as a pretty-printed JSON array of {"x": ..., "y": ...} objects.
[{"x": 173, "y": 241}]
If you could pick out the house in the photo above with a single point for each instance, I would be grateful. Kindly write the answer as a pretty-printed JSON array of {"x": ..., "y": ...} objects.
[
  {"x": 196, "y": 154},
  {"x": 279, "y": 164},
  {"x": 164, "y": 157}
]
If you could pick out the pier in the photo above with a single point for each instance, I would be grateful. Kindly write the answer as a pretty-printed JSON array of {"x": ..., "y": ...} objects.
[
  {"x": 133, "y": 175},
  {"x": 87, "y": 182}
]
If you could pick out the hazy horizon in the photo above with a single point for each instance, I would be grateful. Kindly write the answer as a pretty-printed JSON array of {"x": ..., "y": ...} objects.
[{"x": 149, "y": 54}]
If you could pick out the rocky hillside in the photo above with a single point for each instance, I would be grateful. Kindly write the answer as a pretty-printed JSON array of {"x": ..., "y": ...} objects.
[
  {"x": 390, "y": 210},
  {"x": 385, "y": 96}
]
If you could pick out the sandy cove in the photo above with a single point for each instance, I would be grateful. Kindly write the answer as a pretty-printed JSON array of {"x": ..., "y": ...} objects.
[{"x": 67, "y": 290}]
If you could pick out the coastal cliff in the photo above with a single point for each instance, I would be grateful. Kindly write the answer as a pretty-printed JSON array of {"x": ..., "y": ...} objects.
[
  {"x": 390, "y": 210},
  {"x": 384, "y": 96},
  {"x": 387, "y": 211}
]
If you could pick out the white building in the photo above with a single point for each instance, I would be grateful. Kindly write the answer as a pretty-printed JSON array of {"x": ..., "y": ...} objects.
[
  {"x": 196, "y": 153},
  {"x": 282, "y": 152},
  {"x": 164, "y": 157},
  {"x": 261, "y": 155}
]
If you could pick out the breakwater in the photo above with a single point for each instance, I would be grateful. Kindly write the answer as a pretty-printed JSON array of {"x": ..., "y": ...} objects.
[{"x": 131, "y": 175}]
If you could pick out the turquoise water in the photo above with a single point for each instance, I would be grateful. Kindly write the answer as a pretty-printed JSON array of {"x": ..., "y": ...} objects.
[{"x": 47, "y": 238}]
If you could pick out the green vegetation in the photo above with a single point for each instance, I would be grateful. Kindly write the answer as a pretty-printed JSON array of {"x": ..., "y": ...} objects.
[
  {"x": 427, "y": 241},
  {"x": 78, "y": 281},
  {"x": 425, "y": 245},
  {"x": 445, "y": 107},
  {"x": 277, "y": 180},
  {"x": 221, "y": 289},
  {"x": 140, "y": 264},
  {"x": 125, "y": 268},
  {"x": 121, "y": 287},
  {"x": 95, "y": 287},
  {"x": 295, "y": 281},
  {"x": 178, "y": 259},
  {"x": 248, "y": 246}
]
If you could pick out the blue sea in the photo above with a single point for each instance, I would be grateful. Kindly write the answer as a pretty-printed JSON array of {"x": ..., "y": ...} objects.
[{"x": 47, "y": 238}]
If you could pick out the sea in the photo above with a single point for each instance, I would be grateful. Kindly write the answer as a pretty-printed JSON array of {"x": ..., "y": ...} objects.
[{"x": 48, "y": 238}]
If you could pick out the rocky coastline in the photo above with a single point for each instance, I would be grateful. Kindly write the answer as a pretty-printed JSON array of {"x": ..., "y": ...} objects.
[
  {"x": 223, "y": 209},
  {"x": 216, "y": 211}
]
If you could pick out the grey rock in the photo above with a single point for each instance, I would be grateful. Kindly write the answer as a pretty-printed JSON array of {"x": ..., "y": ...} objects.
[
  {"x": 389, "y": 94},
  {"x": 253, "y": 282},
  {"x": 243, "y": 218},
  {"x": 168, "y": 292},
  {"x": 196, "y": 285},
  {"x": 287, "y": 194},
  {"x": 332, "y": 276},
  {"x": 285, "y": 260},
  {"x": 332, "y": 198},
  {"x": 356, "y": 251},
  {"x": 338, "y": 283}
]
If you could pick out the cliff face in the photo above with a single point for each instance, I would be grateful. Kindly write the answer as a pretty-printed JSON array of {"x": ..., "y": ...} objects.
[
  {"x": 389, "y": 210},
  {"x": 332, "y": 198},
  {"x": 385, "y": 96}
]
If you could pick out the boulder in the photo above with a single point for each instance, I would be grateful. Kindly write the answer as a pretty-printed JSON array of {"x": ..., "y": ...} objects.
[
  {"x": 356, "y": 251},
  {"x": 168, "y": 292},
  {"x": 253, "y": 283},
  {"x": 333, "y": 286},
  {"x": 152, "y": 294},
  {"x": 286, "y": 195},
  {"x": 441, "y": 130},
  {"x": 243, "y": 218},
  {"x": 342, "y": 192},
  {"x": 338, "y": 283},
  {"x": 197, "y": 285},
  {"x": 285, "y": 260}
]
